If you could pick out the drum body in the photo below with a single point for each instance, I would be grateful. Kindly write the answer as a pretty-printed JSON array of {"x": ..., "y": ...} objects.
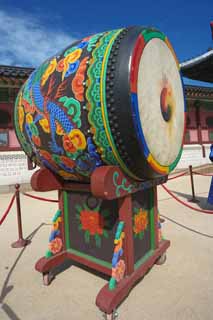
[{"x": 115, "y": 98}]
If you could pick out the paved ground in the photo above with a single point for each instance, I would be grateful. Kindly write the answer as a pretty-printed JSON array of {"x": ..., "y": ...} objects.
[{"x": 181, "y": 289}]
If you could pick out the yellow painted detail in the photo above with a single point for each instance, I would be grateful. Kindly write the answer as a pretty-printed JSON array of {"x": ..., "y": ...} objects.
[{"x": 161, "y": 169}]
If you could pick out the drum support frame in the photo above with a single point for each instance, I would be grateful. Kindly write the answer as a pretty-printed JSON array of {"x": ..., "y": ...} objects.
[{"x": 104, "y": 186}]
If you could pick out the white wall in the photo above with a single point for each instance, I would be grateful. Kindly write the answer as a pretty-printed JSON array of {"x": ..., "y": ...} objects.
[
  {"x": 192, "y": 155},
  {"x": 13, "y": 168},
  {"x": 13, "y": 164}
]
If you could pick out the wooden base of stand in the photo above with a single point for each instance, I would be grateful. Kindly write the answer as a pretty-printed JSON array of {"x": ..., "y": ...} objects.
[
  {"x": 107, "y": 301},
  {"x": 108, "y": 183},
  {"x": 44, "y": 265}
]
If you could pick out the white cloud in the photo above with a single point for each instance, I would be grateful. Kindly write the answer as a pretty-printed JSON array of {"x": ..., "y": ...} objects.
[{"x": 24, "y": 41}]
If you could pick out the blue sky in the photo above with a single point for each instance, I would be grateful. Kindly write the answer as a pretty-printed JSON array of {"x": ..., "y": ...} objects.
[{"x": 30, "y": 31}]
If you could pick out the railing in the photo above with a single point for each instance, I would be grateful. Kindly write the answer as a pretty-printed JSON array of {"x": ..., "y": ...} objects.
[{"x": 21, "y": 242}]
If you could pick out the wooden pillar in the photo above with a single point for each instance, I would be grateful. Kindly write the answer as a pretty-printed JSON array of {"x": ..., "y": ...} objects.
[{"x": 200, "y": 141}]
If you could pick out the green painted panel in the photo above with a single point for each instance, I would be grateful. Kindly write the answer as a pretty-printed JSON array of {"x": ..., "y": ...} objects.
[
  {"x": 152, "y": 219},
  {"x": 66, "y": 221},
  {"x": 142, "y": 260},
  {"x": 90, "y": 258}
]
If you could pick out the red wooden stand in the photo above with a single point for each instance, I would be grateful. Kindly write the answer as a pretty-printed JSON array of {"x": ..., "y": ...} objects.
[
  {"x": 107, "y": 183},
  {"x": 108, "y": 300}
]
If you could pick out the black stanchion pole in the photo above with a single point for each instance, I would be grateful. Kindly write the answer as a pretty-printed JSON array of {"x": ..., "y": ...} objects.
[
  {"x": 20, "y": 242},
  {"x": 193, "y": 199}
]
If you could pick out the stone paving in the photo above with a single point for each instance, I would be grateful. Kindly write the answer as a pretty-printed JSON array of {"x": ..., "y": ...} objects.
[{"x": 181, "y": 289}]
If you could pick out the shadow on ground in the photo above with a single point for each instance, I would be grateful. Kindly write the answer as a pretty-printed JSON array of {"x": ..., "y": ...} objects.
[
  {"x": 186, "y": 227},
  {"x": 68, "y": 263},
  {"x": 6, "y": 288},
  {"x": 201, "y": 201}
]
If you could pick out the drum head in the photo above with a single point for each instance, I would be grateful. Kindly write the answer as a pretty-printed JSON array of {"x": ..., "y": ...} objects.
[{"x": 159, "y": 108}]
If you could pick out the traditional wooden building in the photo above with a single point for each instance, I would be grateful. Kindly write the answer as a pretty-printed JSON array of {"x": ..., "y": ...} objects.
[
  {"x": 199, "y": 100},
  {"x": 11, "y": 79},
  {"x": 13, "y": 162},
  {"x": 199, "y": 130}
]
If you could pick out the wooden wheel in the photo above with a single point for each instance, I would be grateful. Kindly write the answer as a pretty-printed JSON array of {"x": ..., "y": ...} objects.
[
  {"x": 162, "y": 259},
  {"x": 47, "y": 278}
]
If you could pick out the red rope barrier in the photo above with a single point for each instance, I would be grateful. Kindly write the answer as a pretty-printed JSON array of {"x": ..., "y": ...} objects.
[
  {"x": 39, "y": 198},
  {"x": 179, "y": 175},
  {"x": 202, "y": 174},
  {"x": 186, "y": 204},
  {"x": 8, "y": 210}
]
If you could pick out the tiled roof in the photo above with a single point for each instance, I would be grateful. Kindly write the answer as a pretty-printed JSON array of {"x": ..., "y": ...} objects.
[
  {"x": 198, "y": 92},
  {"x": 15, "y": 72},
  {"x": 199, "y": 68},
  {"x": 12, "y": 75}
]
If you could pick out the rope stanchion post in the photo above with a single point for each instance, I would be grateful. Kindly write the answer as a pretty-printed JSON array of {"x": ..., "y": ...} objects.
[
  {"x": 193, "y": 199},
  {"x": 20, "y": 242}
]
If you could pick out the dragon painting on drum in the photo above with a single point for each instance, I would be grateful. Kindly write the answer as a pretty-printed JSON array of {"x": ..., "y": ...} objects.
[
  {"x": 104, "y": 100},
  {"x": 104, "y": 120}
]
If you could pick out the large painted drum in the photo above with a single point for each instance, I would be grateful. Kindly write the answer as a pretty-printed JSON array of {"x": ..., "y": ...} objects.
[{"x": 114, "y": 98}]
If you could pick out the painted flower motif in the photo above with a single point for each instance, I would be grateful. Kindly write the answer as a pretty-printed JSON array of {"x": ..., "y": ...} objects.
[
  {"x": 92, "y": 221},
  {"x": 140, "y": 221},
  {"x": 29, "y": 118},
  {"x": 36, "y": 140},
  {"x": 60, "y": 65},
  {"x": 68, "y": 145},
  {"x": 83, "y": 65},
  {"x": 74, "y": 141},
  {"x": 72, "y": 68},
  {"x": 77, "y": 82},
  {"x": 44, "y": 123},
  {"x": 77, "y": 86},
  {"x": 55, "y": 245},
  {"x": 50, "y": 69},
  {"x": 73, "y": 56},
  {"x": 70, "y": 58},
  {"x": 68, "y": 162},
  {"x": 68, "y": 51},
  {"x": 21, "y": 118},
  {"x": 27, "y": 106},
  {"x": 119, "y": 271},
  {"x": 78, "y": 139},
  {"x": 55, "y": 225},
  {"x": 45, "y": 154}
]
